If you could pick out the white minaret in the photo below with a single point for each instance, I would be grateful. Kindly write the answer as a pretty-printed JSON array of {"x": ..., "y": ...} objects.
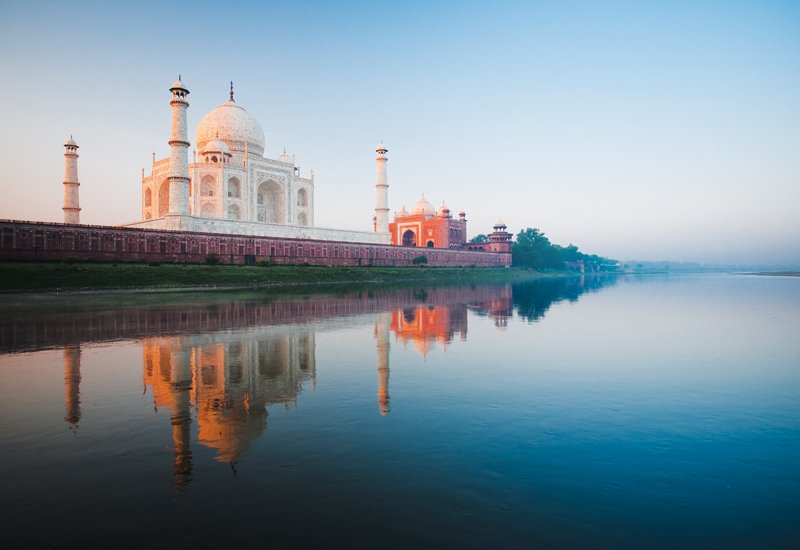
[
  {"x": 72, "y": 209},
  {"x": 179, "y": 152},
  {"x": 381, "y": 192}
]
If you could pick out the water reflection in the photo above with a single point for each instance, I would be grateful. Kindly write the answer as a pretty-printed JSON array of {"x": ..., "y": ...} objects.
[
  {"x": 223, "y": 361},
  {"x": 72, "y": 385}
]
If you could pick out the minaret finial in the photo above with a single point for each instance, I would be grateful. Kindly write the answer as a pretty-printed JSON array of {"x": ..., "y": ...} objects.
[
  {"x": 231, "y": 90},
  {"x": 179, "y": 77}
]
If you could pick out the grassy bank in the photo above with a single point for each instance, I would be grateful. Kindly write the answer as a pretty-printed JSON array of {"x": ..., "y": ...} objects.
[{"x": 37, "y": 277}]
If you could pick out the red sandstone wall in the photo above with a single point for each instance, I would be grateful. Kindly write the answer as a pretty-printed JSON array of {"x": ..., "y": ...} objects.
[{"x": 45, "y": 241}]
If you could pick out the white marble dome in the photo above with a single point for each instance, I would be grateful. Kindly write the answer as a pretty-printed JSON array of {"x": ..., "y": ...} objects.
[
  {"x": 423, "y": 207},
  {"x": 215, "y": 146},
  {"x": 233, "y": 125}
]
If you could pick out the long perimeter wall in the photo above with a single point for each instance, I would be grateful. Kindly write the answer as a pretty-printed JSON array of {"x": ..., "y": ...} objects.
[{"x": 46, "y": 241}]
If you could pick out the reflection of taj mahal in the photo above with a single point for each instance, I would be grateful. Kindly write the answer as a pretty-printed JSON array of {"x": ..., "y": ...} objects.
[
  {"x": 228, "y": 383},
  {"x": 225, "y": 380}
]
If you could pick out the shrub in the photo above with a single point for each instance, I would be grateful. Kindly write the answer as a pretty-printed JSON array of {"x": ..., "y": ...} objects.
[
  {"x": 70, "y": 259},
  {"x": 154, "y": 264},
  {"x": 263, "y": 263},
  {"x": 212, "y": 259},
  {"x": 420, "y": 260}
]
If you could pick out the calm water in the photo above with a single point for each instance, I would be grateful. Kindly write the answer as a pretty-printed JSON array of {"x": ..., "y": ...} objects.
[{"x": 652, "y": 412}]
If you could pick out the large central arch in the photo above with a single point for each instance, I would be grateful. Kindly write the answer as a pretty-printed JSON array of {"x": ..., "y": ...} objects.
[
  {"x": 271, "y": 202},
  {"x": 409, "y": 238}
]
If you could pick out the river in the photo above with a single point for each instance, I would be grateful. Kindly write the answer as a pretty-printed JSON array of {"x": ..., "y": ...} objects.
[{"x": 629, "y": 412}]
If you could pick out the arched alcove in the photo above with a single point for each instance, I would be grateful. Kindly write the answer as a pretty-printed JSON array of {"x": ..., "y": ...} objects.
[
  {"x": 163, "y": 198},
  {"x": 208, "y": 210},
  {"x": 234, "y": 188},
  {"x": 302, "y": 218},
  {"x": 409, "y": 238},
  {"x": 148, "y": 197},
  {"x": 233, "y": 212},
  {"x": 302, "y": 197},
  {"x": 207, "y": 186},
  {"x": 271, "y": 198}
]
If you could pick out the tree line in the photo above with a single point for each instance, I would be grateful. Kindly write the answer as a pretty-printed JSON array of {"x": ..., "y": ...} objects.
[{"x": 533, "y": 249}]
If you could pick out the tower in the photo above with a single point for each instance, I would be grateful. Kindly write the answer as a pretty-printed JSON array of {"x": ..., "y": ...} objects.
[
  {"x": 382, "y": 327},
  {"x": 179, "y": 152},
  {"x": 381, "y": 192},
  {"x": 72, "y": 209},
  {"x": 72, "y": 384}
]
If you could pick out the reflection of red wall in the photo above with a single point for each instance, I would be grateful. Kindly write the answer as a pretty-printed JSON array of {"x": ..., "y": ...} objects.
[
  {"x": 424, "y": 325},
  {"x": 55, "y": 241}
]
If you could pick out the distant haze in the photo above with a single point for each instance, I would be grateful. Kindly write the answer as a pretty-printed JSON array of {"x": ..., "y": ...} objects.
[{"x": 632, "y": 129}]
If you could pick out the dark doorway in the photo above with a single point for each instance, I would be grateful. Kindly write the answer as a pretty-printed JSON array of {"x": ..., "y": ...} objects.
[{"x": 409, "y": 239}]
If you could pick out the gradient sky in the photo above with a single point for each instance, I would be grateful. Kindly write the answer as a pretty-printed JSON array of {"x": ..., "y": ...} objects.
[{"x": 635, "y": 130}]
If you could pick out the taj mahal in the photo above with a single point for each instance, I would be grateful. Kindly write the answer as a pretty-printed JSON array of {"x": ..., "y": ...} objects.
[{"x": 233, "y": 201}]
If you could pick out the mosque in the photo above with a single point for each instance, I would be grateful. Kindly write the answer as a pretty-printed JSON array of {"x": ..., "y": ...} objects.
[{"x": 231, "y": 187}]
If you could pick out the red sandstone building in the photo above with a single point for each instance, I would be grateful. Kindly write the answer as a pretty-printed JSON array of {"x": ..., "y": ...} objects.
[{"x": 426, "y": 227}]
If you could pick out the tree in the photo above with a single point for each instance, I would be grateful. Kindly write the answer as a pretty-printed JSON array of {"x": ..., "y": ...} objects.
[
  {"x": 533, "y": 249},
  {"x": 480, "y": 238}
]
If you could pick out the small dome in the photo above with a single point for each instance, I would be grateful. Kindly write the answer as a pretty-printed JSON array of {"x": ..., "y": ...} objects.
[
  {"x": 381, "y": 148},
  {"x": 500, "y": 224},
  {"x": 444, "y": 211},
  {"x": 70, "y": 143},
  {"x": 233, "y": 125},
  {"x": 178, "y": 84},
  {"x": 285, "y": 158},
  {"x": 216, "y": 146},
  {"x": 423, "y": 207}
]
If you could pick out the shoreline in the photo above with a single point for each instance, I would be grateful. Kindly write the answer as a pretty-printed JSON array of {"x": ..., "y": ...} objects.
[{"x": 55, "y": 279}]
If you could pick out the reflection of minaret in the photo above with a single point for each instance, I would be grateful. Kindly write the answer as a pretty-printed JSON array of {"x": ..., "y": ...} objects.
[
  {"x": 180, "y": 386},
  {"x": 72, "y": 384},
  {"x": 382, "y": 337}
]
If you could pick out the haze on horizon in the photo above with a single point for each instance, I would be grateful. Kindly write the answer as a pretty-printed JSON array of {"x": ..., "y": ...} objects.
[{"x": 649, "y": 131}]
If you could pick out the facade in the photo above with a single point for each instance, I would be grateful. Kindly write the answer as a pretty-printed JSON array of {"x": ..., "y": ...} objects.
[
  {"x": 230, "y": 186},
  {"x": 230, "y": 178},
  {"x": 427, "y": 227}
]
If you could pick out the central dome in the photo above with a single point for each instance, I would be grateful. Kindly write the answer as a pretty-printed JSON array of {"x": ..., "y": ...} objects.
[{"x": 233, "y": 125}]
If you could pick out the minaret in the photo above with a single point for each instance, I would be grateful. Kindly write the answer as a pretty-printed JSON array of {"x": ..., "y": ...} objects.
[
  {"x": 179, "y": 152},
  {"x": 381, "y": 192},
  {"x": 382, "y": 326},
  {"x": 180, "y": 386},
  {"x": 72, "y": 210}
]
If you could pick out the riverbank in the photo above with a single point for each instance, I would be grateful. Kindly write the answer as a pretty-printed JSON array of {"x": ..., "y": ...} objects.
[{"x": 76, "y": 277}]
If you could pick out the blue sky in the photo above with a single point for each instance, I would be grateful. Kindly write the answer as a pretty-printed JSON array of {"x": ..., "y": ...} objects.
[{"x": 641, "y": 130}]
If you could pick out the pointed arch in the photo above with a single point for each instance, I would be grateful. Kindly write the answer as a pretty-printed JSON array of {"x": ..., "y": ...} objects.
[
  {"x": 207, "y": 186},
  {"x": 302, "y": 197},
  {"x": 302, "y": 218},
  {"x": 208, "y": 210},
  {"x": 271, "y": 199},
  {"x": 163, "y": 198},
  {"x": 148, "y": 197},
  {"x": 234, "y": 188},
  {"x": 233, "y": 212}
]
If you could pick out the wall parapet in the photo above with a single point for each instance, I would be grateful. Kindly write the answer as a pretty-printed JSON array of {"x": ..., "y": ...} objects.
[{"x": 52, "y": 241}]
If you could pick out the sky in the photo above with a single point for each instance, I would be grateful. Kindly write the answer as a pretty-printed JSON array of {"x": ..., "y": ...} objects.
[{"x": 634, "y": 130}]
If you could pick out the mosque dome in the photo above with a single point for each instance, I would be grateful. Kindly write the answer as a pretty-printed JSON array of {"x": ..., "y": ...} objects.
[
  {"x": 233, "y": 125},
  {"x": 423, "y": 207},
  {"x": 216, "y": 146}
]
